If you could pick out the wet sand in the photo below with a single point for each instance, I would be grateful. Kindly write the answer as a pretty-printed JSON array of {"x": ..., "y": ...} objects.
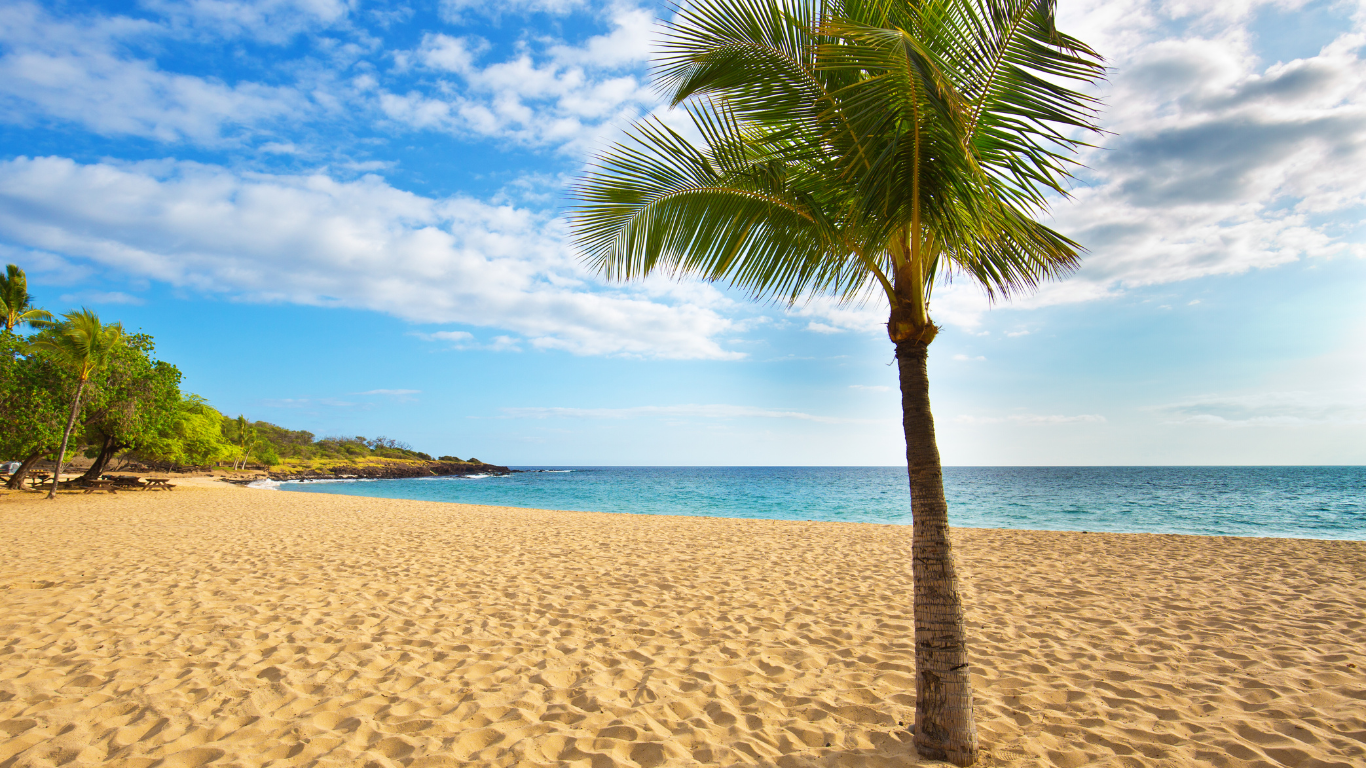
[{"x": 234, "y": 627}]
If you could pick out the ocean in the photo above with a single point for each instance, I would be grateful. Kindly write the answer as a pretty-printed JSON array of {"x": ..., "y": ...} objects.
[{"x": 1287, "y": 502}]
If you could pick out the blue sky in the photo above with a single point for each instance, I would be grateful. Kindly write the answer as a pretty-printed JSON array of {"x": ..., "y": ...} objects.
[{"x": 346, "y": 217}]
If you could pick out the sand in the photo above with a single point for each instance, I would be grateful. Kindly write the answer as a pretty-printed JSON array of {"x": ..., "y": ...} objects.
[{"x": 237, "y": 627}]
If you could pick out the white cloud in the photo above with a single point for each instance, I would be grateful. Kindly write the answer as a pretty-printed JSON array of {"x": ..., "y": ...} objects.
[
  {"x": 870, "y": 388},
  {"x": 462, "y": 340},
  {"x": 1223, "y": 162},
  {"x": 1031, "y": 420},
  {"x": 100, "y": 297},
  {"x": 570, "y": 96},
  {"x": 968, "y": 359},
  {"x": 454, "y": 337},
  {"x": 456, "y": 11},
  {"x": 317, "y": 241},
  {"x": 72, "y": 71},
  {"x": 691, "y": 410},
  {"x": 1272, "y": 409},
  {"x": 274, "y": 21},
  {"x": 628, "y": 44},
  {"x": 450, "y": 54}
]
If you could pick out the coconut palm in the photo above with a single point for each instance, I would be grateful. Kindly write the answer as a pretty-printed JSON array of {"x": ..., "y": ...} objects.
[
  {"x": 859, "y": 149},
  {"x": 16, "y": 305},
  {"x": 84, "y": 345}
]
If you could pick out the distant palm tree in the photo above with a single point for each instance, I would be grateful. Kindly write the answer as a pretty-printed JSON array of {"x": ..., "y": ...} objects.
[
  {"x": 15, "y": 301},
  {"x": 851, "y": 148},
  {"x": 81, "y": 343}
]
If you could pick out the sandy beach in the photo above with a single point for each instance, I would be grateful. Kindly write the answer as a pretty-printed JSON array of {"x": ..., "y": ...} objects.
[{"x": 235, "y": 627}]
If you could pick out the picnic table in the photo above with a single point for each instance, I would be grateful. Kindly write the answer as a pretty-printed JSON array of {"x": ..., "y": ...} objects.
[
  {"x": 99, "y": 485},
  {"x": 159, "y": 484},
  {"x": 36, "y": 479},
  {"x": 125, "y": 483}
]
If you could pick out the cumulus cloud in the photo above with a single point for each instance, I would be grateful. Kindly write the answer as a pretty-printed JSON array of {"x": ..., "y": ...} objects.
[
  {"x": 570, "y": 96},
  {"x": 75, "y": 71},
  {"x": 317, "y": 241}
]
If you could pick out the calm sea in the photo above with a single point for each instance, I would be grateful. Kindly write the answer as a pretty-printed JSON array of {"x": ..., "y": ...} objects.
[{"x": 1298, "y": 502}]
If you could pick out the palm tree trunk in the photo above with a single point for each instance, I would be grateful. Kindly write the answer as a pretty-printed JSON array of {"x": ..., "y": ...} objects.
[
  {"x": 16, "y": 480},
  {"x": 944, "y": 724},
  {"x": 66, "y": 435}
]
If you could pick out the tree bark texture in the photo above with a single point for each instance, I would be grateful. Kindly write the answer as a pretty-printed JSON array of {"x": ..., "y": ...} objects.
[
  {"x": 66, "y": 435},
  {"x": 16, "y": 480},
  {"x": 944, "y": 725},
  {"x": 108, "y": 448}
]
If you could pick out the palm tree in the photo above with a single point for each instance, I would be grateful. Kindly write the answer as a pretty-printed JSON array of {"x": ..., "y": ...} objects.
[
  {"x": 15, "y": 301},
  {"x": 84, "y": 345},
  {"x": 857, "y": 149}
]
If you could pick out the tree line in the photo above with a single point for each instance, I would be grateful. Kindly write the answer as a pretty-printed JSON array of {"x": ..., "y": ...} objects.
[{"x": 78, "y": 385}]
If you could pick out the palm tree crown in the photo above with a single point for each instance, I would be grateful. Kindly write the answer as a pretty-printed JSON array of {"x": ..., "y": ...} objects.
[
  {"x": 848, "y": 146},
  {"x": 16, "y": 305},
  {"x": 84, "y": 345},
  {"x": 79, "y": 342}
]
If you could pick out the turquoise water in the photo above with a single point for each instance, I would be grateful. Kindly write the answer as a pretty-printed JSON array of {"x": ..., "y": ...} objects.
[{"x": 1298, "y": 502}]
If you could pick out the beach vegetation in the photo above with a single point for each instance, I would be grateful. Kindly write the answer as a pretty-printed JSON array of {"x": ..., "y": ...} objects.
[
  {"x": 34, "y": 392},
  {"x": 861, "y": 150},
  {"x": 16, "y": 303},
  {"x": 85, "y": 346},
  {"x": 134, "y": 403},
  {"x": 80, "y": 386},
  {"x": 193, "y": 437}
]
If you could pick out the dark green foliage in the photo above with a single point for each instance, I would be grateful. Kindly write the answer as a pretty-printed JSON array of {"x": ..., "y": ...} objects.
[
  {"x": 134, "y": 405},
  {"x": 290, "y": 444},
  {"x": 34, "y": 393},
  {"x": 452, "y": 459}
]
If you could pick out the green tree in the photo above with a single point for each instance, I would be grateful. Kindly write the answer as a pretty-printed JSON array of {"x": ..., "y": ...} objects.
[
  {"x": 852, "y": 148},
  {"x": 33, "y": 395},
  {"x": 253, "y": 440},
  {"x": 16, "y": 304},
  {"x": 132, "y": 401},
  {"x": 193, "y": 436},
  {"x": 83, "y": 345}
]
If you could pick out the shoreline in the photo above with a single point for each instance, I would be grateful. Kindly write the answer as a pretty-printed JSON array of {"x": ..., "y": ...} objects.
[
  {"x": 211, "y": 625},
  {"x": 1358, "y": 536}
]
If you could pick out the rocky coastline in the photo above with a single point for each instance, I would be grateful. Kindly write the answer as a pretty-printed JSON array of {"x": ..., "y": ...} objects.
[{"x": 388, "y": 471}]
